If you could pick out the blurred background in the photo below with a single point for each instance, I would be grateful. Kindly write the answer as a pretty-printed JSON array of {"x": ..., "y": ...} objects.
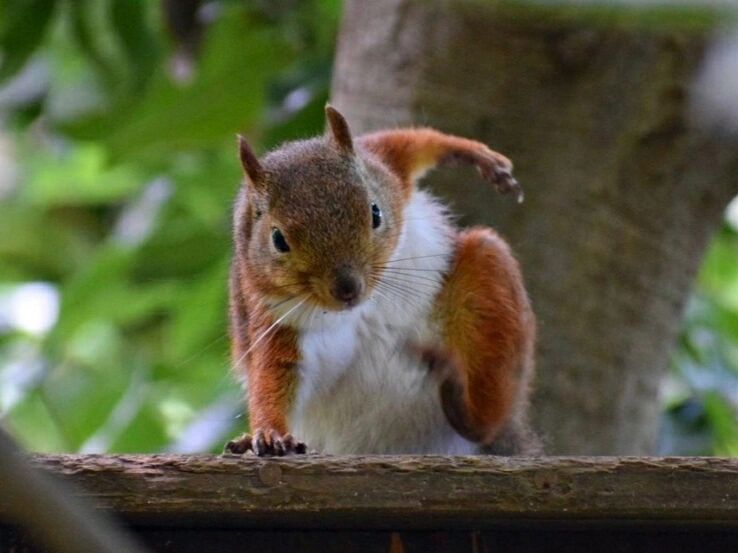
[
  {"x": 117, "y": 173},
  {"x": 118, "y": 168}
]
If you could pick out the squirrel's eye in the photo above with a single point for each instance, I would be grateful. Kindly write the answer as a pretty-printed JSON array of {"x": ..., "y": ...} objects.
[
  {"x": 279, "y": 242},
  {"x": 376, "y": 216}
]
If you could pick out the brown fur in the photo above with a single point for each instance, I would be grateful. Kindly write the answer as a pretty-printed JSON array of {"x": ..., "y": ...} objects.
[
  {"x": 409, "y": 153},
  {"x": 270, "y": 376},
  {"x": 315, "y": 196},
  {"x": 316, "y": 192},
  {"x": 489, "y": 332},
  {"x": 340, "y": 132}
]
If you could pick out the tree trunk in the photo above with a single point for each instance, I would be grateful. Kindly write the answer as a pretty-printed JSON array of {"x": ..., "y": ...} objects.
[{"x": 622, "y": 191}]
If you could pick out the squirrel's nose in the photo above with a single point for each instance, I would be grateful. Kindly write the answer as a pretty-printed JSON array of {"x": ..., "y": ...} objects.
[{"x": 347, "y": 288}]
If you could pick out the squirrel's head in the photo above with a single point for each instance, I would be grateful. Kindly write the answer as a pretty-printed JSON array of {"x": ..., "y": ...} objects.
[{"x": 317, "y": 219}]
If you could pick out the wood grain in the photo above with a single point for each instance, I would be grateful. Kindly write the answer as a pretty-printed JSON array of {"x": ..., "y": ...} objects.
[{"x": 390, "y": 492}]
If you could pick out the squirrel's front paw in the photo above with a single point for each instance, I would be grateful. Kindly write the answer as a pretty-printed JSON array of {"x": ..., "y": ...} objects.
[
  {"x": 269, "y": 443},
  {"x": 497, "y": 169},
  {"x": 440, "y": 363},
  {"x": 444, "y": 366}
]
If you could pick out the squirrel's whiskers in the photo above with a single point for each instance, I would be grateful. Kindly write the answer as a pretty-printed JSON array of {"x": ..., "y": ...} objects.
[{"x": 349, "y": 285}]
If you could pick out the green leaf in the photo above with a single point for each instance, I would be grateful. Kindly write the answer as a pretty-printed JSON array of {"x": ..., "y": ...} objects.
[
  {"x": 86, "y": 29},
  {"x": 37, "y": 244},
  {"x": 34, "y": 426},
  {"x": 206, "y": 186},
  {"x": 724, "y": 424},
  {"x": 308, "y": 121},
  {"x": 102, "y": 291},
  {"x": 69, "y": 388},
  {"x": 142, "y": 50},
  {"x": 23, "y": 28},
  {"x": 228, "y": 93},
  {"x": 147, "y": 431},
  {"x": 78, "y": 176},
  {"x": 182, "y": 248},
  {"x": 201, "y": 318}
]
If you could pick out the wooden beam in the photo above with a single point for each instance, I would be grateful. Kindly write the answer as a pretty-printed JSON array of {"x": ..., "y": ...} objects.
[{"x": 391, "y": 492}]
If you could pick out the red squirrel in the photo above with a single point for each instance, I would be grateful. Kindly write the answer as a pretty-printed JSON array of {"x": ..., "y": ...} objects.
[{"x": 362, "y": 320}]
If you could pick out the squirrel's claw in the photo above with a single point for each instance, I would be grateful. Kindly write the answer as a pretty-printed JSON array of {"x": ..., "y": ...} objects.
[
  {"x": 239, "y": 446},
  {"x": 506, "y": 183},
  {"x": 497, "y": 168},
  {"x": 265, "y": 444}
]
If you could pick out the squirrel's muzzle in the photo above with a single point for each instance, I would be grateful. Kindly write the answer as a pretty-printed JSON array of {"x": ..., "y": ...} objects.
[{"x": 347, "y": 288}]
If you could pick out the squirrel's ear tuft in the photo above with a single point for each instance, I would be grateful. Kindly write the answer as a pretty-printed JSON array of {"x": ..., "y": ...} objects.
[
  {"x": 250, "y": 164},
  {"x": 340, "y": 131}
]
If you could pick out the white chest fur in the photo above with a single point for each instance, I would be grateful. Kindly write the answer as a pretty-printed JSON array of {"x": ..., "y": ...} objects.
[{"x": 360, "y": 388}]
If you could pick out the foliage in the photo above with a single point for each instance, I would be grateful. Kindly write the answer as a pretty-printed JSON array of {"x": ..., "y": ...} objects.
[
  {"x": 124, "y": 127},
  {"x": 702, "y": 391}
]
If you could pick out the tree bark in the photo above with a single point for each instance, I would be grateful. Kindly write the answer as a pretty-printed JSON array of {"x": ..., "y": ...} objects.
[
  {"x": 622, "y": 191},
  {"x": 399, "y": 492},
  {"x": 205, "y": 503}
]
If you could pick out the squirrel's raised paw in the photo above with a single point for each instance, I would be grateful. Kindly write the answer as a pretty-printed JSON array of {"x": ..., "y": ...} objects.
[
  {"x": 440, "y": 363},
  {"x": 497, "y": 169},
  {"x": 270, "y": 443}
]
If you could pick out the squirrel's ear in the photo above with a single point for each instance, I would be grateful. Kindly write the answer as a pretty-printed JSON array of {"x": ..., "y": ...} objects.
[
  {"x": 250, "y": 164},
  {"x": 340, "y": 131}
]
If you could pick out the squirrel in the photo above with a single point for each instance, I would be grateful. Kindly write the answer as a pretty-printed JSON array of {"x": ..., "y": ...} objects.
[{"x": 362, "y": 320}]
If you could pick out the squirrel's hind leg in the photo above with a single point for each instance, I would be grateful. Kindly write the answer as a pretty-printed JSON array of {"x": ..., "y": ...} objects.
[{"x": 488, "y": 337}]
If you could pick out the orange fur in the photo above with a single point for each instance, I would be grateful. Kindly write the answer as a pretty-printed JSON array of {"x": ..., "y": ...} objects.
[
  {"x": 268, "y": 364},
  {"x": 489, "y": 331},
  {"x": 409, "y": 153},
  {"x": 271, "y": 376}
]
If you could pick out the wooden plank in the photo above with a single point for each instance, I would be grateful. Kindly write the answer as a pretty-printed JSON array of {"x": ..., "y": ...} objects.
[{"x": 389, "y": 492}]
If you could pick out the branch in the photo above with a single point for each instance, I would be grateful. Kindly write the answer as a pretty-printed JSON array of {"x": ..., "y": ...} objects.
[{"x": 401, "y": 492}]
